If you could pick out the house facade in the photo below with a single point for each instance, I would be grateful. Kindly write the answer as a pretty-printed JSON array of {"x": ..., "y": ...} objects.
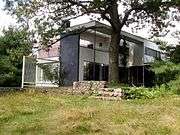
[{"x": 85, "y": 56}]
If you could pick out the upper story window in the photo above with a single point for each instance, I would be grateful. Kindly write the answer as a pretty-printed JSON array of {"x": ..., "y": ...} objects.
[
  {"x": 153, "y": 53},
  {"x": 100, "y": 44}
]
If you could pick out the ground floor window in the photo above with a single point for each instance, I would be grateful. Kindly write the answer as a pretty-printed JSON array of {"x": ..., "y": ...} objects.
[
  {"x": 134, "y": 76},
  {"x": 95, "y": 71},
  {"x": 88, "y": 71}
]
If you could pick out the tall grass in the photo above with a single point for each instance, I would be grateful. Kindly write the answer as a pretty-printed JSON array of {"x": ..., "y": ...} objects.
[{"x": 52, "y": 113}]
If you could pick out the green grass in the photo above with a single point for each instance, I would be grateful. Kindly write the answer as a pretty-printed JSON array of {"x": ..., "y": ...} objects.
[{"x": 35, "y": 113}]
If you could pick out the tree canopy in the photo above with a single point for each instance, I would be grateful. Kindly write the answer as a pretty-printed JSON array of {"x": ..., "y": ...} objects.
[
  {"x": 49, "y": 16},
  {"x": 14, "y": 44}
]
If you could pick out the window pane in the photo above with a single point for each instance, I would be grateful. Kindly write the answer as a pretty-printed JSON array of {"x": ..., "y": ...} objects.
[{"x": 152, "y": 52}]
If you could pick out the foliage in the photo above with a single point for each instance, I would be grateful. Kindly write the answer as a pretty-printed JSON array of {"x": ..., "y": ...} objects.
[
  {"x": 58, "y": 11},
  {"x": 168, "y": 72},
  {"x": 174, "y": 85},
  {"x": 143, "y": 93},
  {"x": 172, "y": 51},
  {"x": 175, "y": 54},
  {"x": 49, "y": 18},
  {"x": 167, "y": 75},
  {"x": 165, "y": 71},
  {"x": 14, "y": 44}
]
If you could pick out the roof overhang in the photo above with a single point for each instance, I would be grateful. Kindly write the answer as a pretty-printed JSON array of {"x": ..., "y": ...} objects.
[{"x": 107, "y": 30}]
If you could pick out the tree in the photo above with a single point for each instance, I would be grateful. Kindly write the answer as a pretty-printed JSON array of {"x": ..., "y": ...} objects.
[
  {"x": 14, "y": 44},
  {"x": 167, "y": 72},
  {"x": 48, "y": 17},
  {"x": 172, "y": 51}
]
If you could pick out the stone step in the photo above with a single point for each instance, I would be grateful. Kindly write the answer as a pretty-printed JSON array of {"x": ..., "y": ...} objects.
[
  {"x": 87, "y": 85},
  {"x": 109, "y": 94},
  {"x": 111, "y": 89},
  {"x": 107, "y": 98},
  {"x": 106, "y": 89}
]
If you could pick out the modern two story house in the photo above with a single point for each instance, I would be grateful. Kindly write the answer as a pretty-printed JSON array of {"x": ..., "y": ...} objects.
[{"x": 85, "y": 56}]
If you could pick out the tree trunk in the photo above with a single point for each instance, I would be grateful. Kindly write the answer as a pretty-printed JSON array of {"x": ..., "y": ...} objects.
[{"x": 114, "y": 57}]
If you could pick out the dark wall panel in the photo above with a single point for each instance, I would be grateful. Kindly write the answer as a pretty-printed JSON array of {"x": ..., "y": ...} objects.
[{"x": 69, "y": 52}]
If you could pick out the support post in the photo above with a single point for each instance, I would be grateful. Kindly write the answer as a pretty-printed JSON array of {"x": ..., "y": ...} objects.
[
  {"x": 60, "y": 78},
  {"x": 94, "y": 59},
  {"x": 129, "y": 83},
  {"x": 37, "y": 75},
  {"x": 143, "y": 75},
  {"x": 23, "y": 72}
]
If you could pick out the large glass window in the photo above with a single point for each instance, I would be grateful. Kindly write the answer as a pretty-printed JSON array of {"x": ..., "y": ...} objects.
[
  {"x": 95, "y": 71},
  {"x": 153, "y": 53},
  {"x": 88, "y": 71}
]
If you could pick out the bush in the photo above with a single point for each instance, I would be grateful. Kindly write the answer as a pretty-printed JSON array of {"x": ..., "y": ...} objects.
[
  {"x": 174, "y": 85},
  {"x": 167, "y": 76},
  {"x": 14, "y": 44},
  {"x": 143, "y": 93},
  {"x": 165, "y": 71}
]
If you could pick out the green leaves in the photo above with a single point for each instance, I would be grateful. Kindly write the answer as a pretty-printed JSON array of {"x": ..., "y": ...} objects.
[
  {"x": 166, "y": 72},
  {"x": 143, "y": 93},
  {"x": 13, "y": 45}
]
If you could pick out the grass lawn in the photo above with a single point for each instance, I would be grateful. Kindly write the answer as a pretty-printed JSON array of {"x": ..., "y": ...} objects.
[{"x": 35, "y": 113}]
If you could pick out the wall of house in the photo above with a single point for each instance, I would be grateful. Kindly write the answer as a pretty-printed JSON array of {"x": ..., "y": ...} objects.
[
  {"x": 49, "y": 52},
  {"x": 136, "y": 51},
  {"x": 69, "y": 52}
]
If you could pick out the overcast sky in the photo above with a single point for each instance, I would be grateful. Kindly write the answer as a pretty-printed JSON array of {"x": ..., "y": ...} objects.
[{"x": 6, "y": 20}]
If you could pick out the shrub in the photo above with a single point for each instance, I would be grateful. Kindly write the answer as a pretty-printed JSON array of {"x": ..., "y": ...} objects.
[
  {"x": 143, "y": 93},
  {"x": 174, "y": 85},
  {"x": 165, "y": 71}
]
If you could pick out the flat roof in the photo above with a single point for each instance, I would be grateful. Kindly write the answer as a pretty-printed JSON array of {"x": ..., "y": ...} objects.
[{"x": 106, "y": 29}]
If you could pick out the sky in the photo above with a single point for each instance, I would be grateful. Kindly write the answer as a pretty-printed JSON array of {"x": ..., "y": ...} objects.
[{"x": 6, "y": 20}]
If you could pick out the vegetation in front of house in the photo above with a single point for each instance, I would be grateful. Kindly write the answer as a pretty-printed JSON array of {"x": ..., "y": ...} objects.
[
  {"x": 167, "y": 77},
  {"x": 142, "y": 92},
  {"x": 168, "y": 72},
  {"x": 167, "y": 82},
  {"x": 54, "y": 113},
  {"x": 14, "y": 44}
]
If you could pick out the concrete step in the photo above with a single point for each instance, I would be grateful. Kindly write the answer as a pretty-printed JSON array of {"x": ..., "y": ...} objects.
[
  {"x": 107, "y": 98},
  {"x": 110, "y": 89},
  {"x": 109, "y": 94}
]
